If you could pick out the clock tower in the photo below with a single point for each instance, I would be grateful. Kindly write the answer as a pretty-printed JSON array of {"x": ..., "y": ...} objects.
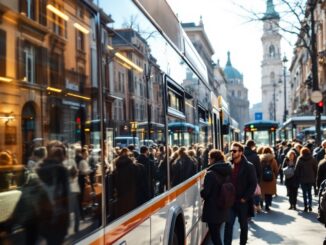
[{"x": 271, "y": 66}]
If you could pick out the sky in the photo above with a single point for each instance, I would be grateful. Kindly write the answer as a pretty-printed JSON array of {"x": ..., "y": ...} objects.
[{"x": 228, "y": 28}]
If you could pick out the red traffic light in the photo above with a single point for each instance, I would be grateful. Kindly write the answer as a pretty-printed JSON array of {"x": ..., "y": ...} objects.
[{"x": 320, "y": 107}]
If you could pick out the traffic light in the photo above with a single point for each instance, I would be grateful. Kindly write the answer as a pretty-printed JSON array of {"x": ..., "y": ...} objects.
[
  {"x": 78, "y": 125},
  {"x": 320, "y": 106}
]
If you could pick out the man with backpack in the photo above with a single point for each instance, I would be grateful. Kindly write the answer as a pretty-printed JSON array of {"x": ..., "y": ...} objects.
[{"x": 244, "y": 180}]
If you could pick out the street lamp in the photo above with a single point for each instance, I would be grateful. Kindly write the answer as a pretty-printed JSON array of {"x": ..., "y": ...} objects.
[
  {"x": 274, "y": 101},
  {"x": 314, "y": 66},
  {"x": 284, "y": 80}
]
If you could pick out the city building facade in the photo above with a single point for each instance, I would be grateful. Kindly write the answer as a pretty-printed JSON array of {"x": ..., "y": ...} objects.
[
  {"x": 300, "y": 69},
  {"x": 237, "y": 94},
  {"x": 201, "y": 42},
  {"x": 220, "y": 81}
]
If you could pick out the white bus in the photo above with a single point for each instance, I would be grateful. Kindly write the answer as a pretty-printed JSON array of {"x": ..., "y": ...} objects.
[{"x": 92, "y": 74}]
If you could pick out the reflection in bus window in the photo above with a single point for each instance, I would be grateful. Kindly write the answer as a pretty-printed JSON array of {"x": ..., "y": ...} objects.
[
  {"x": 49, "y": 169},
  {"x": 88, "y": 104}
]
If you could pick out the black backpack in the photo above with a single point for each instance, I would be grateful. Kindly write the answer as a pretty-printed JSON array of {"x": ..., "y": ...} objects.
[
  {"x": 267, "y": 172},
  {"x": 322, "y": 203},
  {"x": 226, "y": 195}
]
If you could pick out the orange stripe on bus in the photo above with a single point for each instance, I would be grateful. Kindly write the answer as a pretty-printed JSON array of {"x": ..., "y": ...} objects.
[{"x": 130, "y": 224}]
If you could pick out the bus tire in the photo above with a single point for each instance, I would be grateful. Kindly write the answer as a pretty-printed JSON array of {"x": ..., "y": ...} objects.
[
  {"x": 176, "y": 233},
  {"x": 175, "y": 238}
]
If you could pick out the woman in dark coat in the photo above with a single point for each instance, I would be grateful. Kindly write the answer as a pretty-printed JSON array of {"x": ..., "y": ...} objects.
[
  {"x": 306, "y": 170},
  {"x": 183, "y": 168},
  {"x": 218, "y": 171},
  {"x": 130, "y": 186},
  {"x": 56, "y": 181},
  {"x": 291, "y": 182}
]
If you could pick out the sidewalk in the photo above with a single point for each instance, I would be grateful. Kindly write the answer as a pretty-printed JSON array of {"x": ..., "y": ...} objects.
[{"x": 283, "y": 226}]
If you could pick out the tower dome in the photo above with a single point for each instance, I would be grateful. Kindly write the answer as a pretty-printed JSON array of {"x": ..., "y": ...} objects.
[
  {"x": 230, "y": 72},
  {"x": 270, "y": 13}
]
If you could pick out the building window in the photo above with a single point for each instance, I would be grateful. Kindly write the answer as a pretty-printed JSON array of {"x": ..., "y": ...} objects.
[
  {"x": 239, "y": 94},
  {"x": 2, "y": 53},
  {"x": 27, "y": 8},
  {"x": 118, "y": 111},
  {"x": 29, "y": 61},
  {"x": 272, "y": 51},
  {"x": 81, "y": 78},
  {"x": 55, "y": 65},
  {"x": 175, "y": 100},
  {"x": 80, "y": 11},
  {"x": 80, "y": 40},
  {"x": 58, "y": 24},
  {"x": 136, "y": 112},
  {"x": 142, "y": 111},
  {"x": 119, "y": 81},
  {"x": 123, "y": 82}
]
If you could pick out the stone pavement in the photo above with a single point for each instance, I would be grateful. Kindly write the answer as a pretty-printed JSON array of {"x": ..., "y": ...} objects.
[{"x": 283, "y": 226}]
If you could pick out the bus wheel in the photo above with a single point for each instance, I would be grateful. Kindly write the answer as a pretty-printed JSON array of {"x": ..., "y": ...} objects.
[{"x": 175, "y": 239}]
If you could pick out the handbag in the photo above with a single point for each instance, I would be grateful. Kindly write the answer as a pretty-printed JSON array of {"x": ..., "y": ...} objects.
[
  {"x": 257, "y": 190},
  {"x": 288, "y": 172}
]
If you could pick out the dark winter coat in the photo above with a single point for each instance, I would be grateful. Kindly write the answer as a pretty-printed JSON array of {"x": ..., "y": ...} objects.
[
  {"x": 33, "y": 211},
  {"x": 56, "y": 178},
  {"x": 306, "y": 169},
  {"x": 292, "y": 182},
  {"x": 321, "y": 172},
  {"x": 149, "y": 172},
  {"x": 182, "y": 169},
  {"x": 212, "y": 184},
  {"x": 246, "y": 181},
  {"x": 129, "y": 185},
  {"x": 253, "y": 157},
  {"x": 320, "y": 155}
]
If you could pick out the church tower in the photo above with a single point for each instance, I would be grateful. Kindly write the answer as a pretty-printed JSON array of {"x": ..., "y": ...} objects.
[{"x": 271, "y": 65}]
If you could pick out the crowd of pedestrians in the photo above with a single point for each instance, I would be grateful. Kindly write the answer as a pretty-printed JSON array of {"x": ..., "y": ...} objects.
[
  {"x": 61, "y": 182},
  {"x": 254, "y": 173}
]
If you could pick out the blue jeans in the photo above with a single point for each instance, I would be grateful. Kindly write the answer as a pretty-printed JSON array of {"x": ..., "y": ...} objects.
[
  {"x": 239, "y": 210},
  {"x": 306, "y": 192}
]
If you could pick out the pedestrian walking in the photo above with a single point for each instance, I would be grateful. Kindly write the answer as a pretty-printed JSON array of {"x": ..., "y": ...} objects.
[
  {"x": 252, "y": 156},
  {"x": 269, "y": 174},
  {"x": 306, "y": 170},
  {"x": 320, "y": 151},
  {"x": 245, "y": 181},
  {"x": 321, "y": 172},
  {"x": 291, "y": 180},
  {"x": 130, "y": 186},
  {"x": 183, "y": 167},
  {"x": 218, "y": 171},
  {"x": 149, "y": 167},
  {"x": 55, "y": 178}
]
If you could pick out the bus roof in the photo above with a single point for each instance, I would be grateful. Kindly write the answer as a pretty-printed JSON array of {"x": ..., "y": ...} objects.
[{"x": 262, "y": 124}]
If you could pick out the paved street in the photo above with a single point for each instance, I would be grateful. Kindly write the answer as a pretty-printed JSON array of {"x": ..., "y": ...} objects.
[{"x": 283, "y": 226}]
